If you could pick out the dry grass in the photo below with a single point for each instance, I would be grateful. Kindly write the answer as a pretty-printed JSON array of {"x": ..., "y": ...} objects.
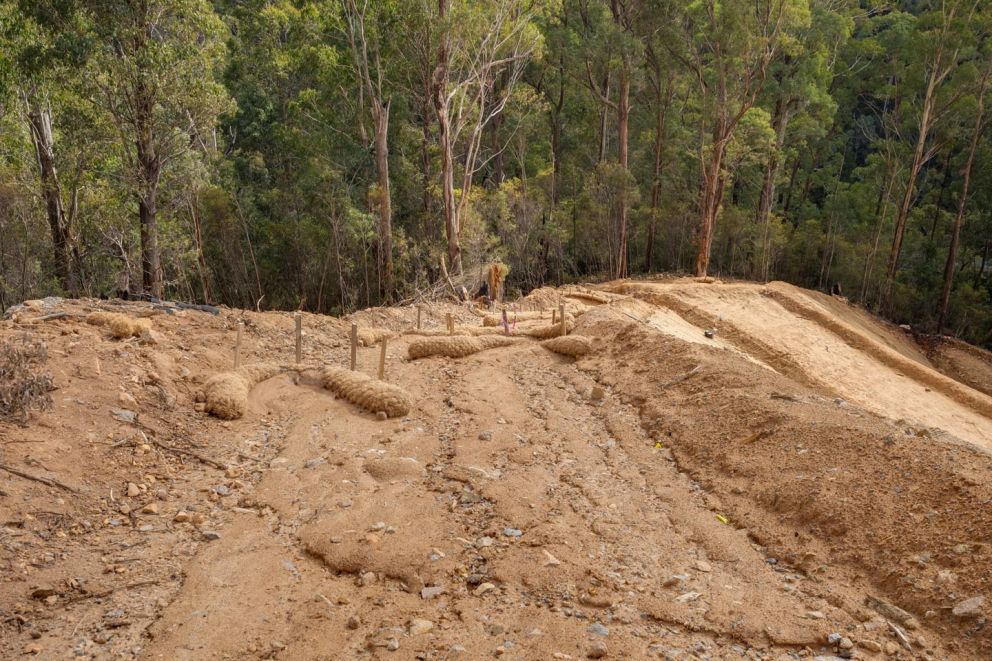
[
  {"x": 456, "y": 346},
  {"x": 226, "y": 394},
  {"x": 569, "y": 345},
  {"x": 24, "y": 385},
  {"x": 364, "y": 391},
  {"x": 121, "y": 326}
]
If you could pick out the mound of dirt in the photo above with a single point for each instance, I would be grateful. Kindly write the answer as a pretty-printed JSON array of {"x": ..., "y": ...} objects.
[{"x": 961, "y": 361}]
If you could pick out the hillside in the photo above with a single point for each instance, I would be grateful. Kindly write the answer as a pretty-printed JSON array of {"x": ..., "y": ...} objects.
[{"x": 808, "y": 481}]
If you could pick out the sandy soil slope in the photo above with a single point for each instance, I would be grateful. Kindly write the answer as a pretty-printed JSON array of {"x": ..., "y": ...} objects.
[{"x": 665, "y": 496}]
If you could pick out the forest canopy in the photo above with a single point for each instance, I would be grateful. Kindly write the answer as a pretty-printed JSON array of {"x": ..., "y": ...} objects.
[{"x": 337, "y": 154}]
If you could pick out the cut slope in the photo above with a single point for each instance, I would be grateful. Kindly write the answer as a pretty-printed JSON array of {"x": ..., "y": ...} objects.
[{"x": 781, "y": 326}]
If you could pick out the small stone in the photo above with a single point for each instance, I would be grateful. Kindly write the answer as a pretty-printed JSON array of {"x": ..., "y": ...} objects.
[
  {"x": 354, "y": 622},
  {"x": 871, "y": 646},
  {"x": 969, "y": 607},
  {"x": 418, "y": 626},
  {"x": 150, "y": 508},
  {"x": 597, "y": 394},
  {"x": 431, "y": 592},
  {"x": 127, "y": 401},
  {"x": 124, "y": 509},
  {"x": 222, "y": 490},
  {"x": 232, "y": 472},
  {"x": 845, "y": 644},
  {"x": 313, "y": 463},
  {"x": 834, "y": 638},
  {"x": 124, "y": 415},
  {"x": 815, "y": 615},
  {"x": 366, "y": 579},
  {"x": 133, "y": 490},
  {"x": 598, "y": 629},
  {"x": 200, "y": 407},
  {"x": 483, "y": 588},
  {"x": 483, "y": 542},
  {"x": 32, "y": 648},
  {"x": 703, "y": 566},
  {"x": 597, "y": 650},
  {"x": 392, "y": 644},
  {"x": 512, "y": 532},
  {"x": 381, "y": 415},
  {"x": 211, "y": 535},
  {"x": 486, "y": 436},
  {"x": 891, "y": 648},
  {"x": 550, "y": 560},
  {"x": 687, "y": 597},
  {"x": 198, "y": 518}
]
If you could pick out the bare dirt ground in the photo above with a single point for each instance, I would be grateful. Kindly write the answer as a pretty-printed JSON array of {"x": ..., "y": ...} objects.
[{"x": 803, "y": 484}]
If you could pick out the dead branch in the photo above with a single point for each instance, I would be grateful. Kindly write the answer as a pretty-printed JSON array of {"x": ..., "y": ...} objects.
[
  {"x": 682, "y": 378},
  {"x": 36, "y": 478}
]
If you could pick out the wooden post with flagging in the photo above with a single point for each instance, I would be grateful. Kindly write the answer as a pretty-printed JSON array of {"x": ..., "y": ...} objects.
[
  {"x": 561, "y": 314},
  {"x": 382, "y": 360},
  {"x": 419, "y": 310},
  {"x": 354, "y": 347},
  {"x": 237, "y": 345},
  {"x": 554, "y": 316},
  {"x": 299, "y": 338}
]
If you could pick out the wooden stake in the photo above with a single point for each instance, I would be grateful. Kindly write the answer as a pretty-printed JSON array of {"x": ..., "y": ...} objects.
[
  {"x": 419, "y": 310},
  {"x": 354, "y": 347},
  {"x": 299, "y": 338},
  {"x": 237, "y": 346},
  {"x": 554, "y": 316},
  {"x": 561, "y": 313},
  {"x": 382, "y": 360},
  {"x": 451, "y": 324}
]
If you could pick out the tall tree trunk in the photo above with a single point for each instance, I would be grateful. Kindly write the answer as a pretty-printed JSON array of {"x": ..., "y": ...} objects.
[
  {"x": 944, "y": 184},
  {"x": 713, "y": 183},
  {"x": 604, "y": 113},
  {"x": 780, "y": 123},
  {"x": 201, "y": 260},
  {"x": 952, "y": 251},
  {"x": 881, "y": 211},
  {"x": 439, "y": 94},
  {"x": 381, "y": 117},
  {"x": 425, "y": 159},
  {"x": 662, "y": 101},
  {"x": 920, "y": 156},
  {"x": 149, "y": 172},
  {"x": 556, "y": 129},
  {"x": 63, "y": 249},
  {"x": 623, "y": 126}
]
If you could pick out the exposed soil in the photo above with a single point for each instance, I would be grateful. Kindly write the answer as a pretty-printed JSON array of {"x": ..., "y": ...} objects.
[{"x": 803, "y": 483}]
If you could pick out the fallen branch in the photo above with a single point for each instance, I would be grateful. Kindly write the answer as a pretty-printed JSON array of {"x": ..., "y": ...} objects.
[
  {"x": 107, "y": 593},
  {"x": 36, "y": 478},
  {"x": 682, "y": 378},
  {"x": 188, "y": 453},
  {"x": 56, "y": 315}
]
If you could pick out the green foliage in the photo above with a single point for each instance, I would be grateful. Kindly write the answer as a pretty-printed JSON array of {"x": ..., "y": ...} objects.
[{"x": 267, "y": 192}]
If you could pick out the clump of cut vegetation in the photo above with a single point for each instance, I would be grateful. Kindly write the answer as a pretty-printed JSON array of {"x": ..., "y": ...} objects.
[{"x": 24, "y": 383}]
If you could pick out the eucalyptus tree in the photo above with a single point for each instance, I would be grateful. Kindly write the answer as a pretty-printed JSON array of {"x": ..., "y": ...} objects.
[{"x": 158, "y": 66}]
